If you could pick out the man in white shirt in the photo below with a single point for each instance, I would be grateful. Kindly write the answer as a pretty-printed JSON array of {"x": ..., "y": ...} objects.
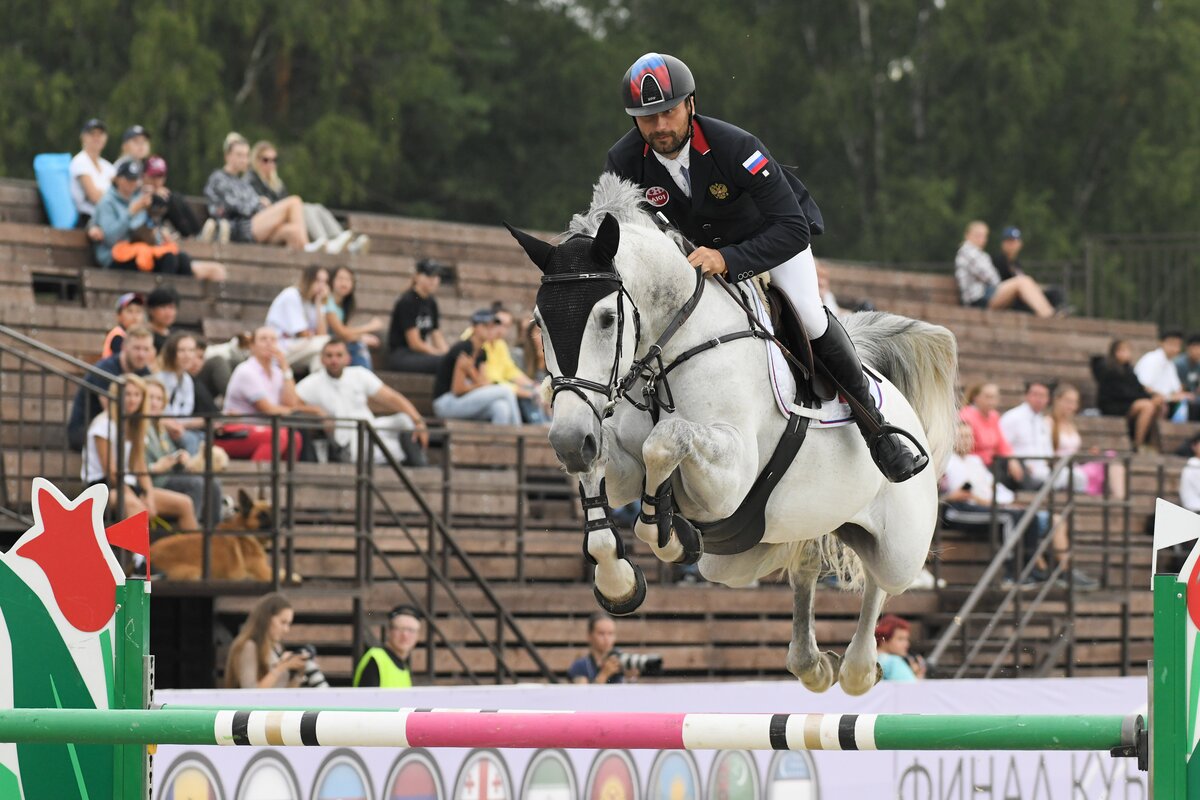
[
  {"x": 343, "y": 392},
  {"x": 1189, "y": 480},
  {"x": 1157, "y": 371},
  {"x": 1027, "y": 429}
]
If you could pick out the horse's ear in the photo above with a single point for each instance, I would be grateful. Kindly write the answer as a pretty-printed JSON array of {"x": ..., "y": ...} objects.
[
  {"x": 539, "y": 252},
  {"x": 608, "y": 238}
]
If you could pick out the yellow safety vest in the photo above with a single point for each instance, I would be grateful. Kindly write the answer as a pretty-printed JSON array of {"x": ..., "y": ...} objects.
[{"x": 390, "y": 675}]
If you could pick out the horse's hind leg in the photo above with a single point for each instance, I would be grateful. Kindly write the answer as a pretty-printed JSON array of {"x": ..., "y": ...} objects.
[
  {"x": 620, "y": 587},
  {"x": 816, "y": 670}
]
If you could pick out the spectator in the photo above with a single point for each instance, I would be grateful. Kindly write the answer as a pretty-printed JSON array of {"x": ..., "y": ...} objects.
[
  {"x": 1119, "y": 393},
  {"x": 893, "y": 637},
  {"x": 131, "y": 311},
  {"x": 1187, "y": 364},
  {"x": 1189, "y": 479},
  {"x": 324, "y": 231},
  {"x": 1090, "y": 477},
  {"x": 100, "y": 460},
  {"x": 1027, "y": 431},
  {"x": 186, "y": 397},
  {"x": 162, "y": 307},
  {"x": 214, "y": 367},
  {"x": 342, "y": 391},
  {"x": 390, "y": 666},
  {"x": 601, "y": 663},
  {"x": 499, "y": 368},
  {"x": 261, "y": 385},
  {"x": 257, "y": 659},
  {"x": 91, "y": 174},
  {"x": 339, "y": 308},
  {"x": 968, "y": 490},
  {"x": 1157, "y": 371},
  {"x": 298, "y": 315},
  {"x": 415, "y": 343},
  {"x": 129, "y": 242},
  {"x": 166, "y": 460},
  {"x": 251, "y": 218},
  {"x": 980, "y": 285},
  {"x": 135, "y": 144},
  {"x": 1008, "y": 266},
  {"x": 534, "y": 352},
  {"x": 461, "y": 390},
  {"x": 169, "y": 211},
  {"x": 980, "y": 413},
  {"x": 136, "y": 357}
]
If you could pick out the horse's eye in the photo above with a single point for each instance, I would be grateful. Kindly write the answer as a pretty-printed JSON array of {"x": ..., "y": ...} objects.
[{"x": 607, "y": 319}]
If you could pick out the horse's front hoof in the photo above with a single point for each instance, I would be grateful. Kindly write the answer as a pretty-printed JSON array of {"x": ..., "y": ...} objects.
[
  {"x": 628, "y": 604},
  {"x": 689, "y": 540}
]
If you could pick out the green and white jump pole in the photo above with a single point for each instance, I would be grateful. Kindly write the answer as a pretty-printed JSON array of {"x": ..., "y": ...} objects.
[{"x": 130, "y": 728}]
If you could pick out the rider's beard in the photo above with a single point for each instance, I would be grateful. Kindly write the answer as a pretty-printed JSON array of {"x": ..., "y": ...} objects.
[{"x": 668, "y": 142}]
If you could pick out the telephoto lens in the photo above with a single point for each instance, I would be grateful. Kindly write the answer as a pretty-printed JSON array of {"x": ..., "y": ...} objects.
[{"x": 645, "y": 663}]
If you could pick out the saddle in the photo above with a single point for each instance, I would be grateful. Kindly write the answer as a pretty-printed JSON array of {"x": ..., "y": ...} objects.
[{"x": 812, "y": 388}]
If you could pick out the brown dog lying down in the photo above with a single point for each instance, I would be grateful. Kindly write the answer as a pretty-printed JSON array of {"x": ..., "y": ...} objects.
[{"x": 234, "y": 558}]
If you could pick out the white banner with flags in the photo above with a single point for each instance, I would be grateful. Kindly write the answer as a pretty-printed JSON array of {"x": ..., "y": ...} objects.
[{"x": 296, "y": 773}]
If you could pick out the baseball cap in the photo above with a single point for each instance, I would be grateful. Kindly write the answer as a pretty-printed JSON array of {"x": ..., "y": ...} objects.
[
  {"x": 131, "y": 132},
  {"x": 427, "y": 266},
  {"x": 130, "y": 169},
  {"x": 483, "y": 316},
  {"x": 1010, "y": 232},
  {"x": 95, "y": 123},
  {"x": 156, "y": 167},
  {"x": 129, "y": 298},
  {"x": 408, "y": 610},
  {"x": 162, "y": 296}
]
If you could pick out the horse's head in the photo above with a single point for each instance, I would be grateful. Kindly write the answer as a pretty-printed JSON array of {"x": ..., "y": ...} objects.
[{"x": 589, "y": 330}]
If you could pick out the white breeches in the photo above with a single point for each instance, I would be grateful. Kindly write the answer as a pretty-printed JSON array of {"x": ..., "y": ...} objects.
[{"x": 797, "y": 278}]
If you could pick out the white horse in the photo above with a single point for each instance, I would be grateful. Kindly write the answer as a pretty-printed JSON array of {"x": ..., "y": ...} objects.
[{"x": 624, "y": 281}]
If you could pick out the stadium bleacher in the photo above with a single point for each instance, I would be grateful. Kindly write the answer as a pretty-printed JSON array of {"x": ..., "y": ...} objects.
[{"x": 50, "y": 291}]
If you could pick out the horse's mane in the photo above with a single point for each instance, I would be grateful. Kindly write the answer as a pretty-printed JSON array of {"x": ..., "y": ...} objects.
[{"x": 623, "y": 199}]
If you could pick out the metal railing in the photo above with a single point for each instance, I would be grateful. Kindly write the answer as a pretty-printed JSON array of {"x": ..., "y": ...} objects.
[
  {"x": 1146, "y": 277},
  {"x": 34, "y": 445}
]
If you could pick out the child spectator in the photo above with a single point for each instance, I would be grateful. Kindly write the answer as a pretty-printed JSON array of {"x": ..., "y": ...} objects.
[
  {"x": 100, "y": 460},
  {"x": 129, "y": 242},
  {"x": 131, "y": 311},
  {"x": 324, "y": 231},
  {"x": 257, "y": 659},
  {"x": 1187, "y": 364},
  {"x": 415, "y": 343},
  {"x": 1090, "y": 477},
  {"x": 91, "y": 174},
  {"x": 1119, "y": 393},
  {"x": 980, "y": 413},
  {"x": 1028, "y": 433},
  {"x": 162, "y": 308},
  {"x": 166, "y": 458},
  {"x": 135, "y": 144},
  {"x": 298, "y": 315},
  {"x": 186, "y": 397},
  {"x": 893, "y": 637},
  {"x": 344, "y": 392},
  {"x": 1189, "y": 479},
  {"x": 262, "y": 385},
  {"x": 461, "y": 391},
  {"x": 1156, "y": 371},
  {"x": 251, "y": 218},
  {"x": 979, "y": 283},
  {"x": 168, "y": 210},
  {"x": 339, "y": 308}
]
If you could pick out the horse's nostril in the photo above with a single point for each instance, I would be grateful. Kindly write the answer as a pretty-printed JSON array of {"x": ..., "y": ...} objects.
[{"x": 588, "y": 448}]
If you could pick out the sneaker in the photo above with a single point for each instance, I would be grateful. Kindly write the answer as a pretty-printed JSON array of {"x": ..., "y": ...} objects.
[
  {"x": 316, "y": 245},
  {"x": 1083, "y": 581},
  {"x": 208, "y": 232},
  {"x": 223, "y": 231},
  {"x": 361, "y": 245},
  {"x": 1029, "y": 583},
  {"x": 338, "y": 243}
]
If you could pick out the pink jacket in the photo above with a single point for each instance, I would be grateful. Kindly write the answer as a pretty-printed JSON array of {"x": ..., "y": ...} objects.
[{"x": 989, "y": 439}]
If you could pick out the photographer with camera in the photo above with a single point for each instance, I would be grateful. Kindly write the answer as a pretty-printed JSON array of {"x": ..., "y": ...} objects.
[
  {"x": 604, "y": 663},
  {"x": 390, "y": 666},
  {"x": 257, "y": 658}
]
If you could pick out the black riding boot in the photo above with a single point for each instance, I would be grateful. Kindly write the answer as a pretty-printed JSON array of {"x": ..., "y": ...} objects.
[{"x": 836, "y": 351}]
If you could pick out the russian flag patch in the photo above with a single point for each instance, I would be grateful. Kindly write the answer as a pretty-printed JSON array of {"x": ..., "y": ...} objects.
[{"x": 755, "y": 162}]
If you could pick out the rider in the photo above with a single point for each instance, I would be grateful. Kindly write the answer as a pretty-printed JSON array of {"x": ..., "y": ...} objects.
[{"x": 720, "y": 187}]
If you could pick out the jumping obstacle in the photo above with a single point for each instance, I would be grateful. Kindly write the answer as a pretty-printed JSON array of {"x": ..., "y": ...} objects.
[{"x": 124, "y": 733}]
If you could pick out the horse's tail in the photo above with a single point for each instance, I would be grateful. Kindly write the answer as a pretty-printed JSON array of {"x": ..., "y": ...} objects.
[{"x": 921, "y": 359}]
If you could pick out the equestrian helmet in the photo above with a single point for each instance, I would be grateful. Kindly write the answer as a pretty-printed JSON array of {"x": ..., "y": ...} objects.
[{"x": 655, "y": 83}]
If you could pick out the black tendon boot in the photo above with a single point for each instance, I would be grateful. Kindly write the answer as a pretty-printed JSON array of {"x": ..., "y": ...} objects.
[{"x": 836, "y": 351}]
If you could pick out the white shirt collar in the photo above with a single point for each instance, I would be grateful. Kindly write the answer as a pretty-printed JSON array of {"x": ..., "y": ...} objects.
[{"x": 675, "y": 166}]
